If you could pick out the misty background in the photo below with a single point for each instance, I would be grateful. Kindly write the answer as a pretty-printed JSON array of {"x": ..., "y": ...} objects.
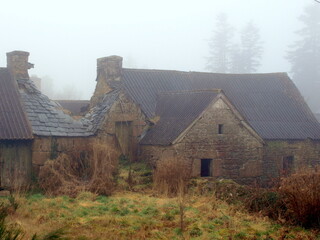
[{"x": 65, "y": 38}]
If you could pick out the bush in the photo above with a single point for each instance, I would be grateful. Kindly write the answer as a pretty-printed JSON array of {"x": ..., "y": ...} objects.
[
  {"x": 267, "y": 202},
  {"x": 301, "y": 193},
  {"x": 171, "y": 176},
  {"x": 91, "y": 170}
]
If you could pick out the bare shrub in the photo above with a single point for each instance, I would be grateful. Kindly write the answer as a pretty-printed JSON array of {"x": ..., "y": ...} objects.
[
  {"x": 301, "y": 193},
  {"x": 171, "y": 176},
  {"x": 90, "y": 169}
]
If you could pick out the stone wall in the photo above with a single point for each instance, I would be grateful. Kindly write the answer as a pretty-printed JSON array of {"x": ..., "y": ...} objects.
[
  {"x": 125, "y": 111},
  {"x": 236, "y": 153},
  {"x": 44, "y": 148},
  {"x": 15, "y": 164},
  {"x": 304, "y": 153}
]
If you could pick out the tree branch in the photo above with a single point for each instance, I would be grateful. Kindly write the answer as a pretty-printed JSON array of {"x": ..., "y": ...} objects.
[{"x": 318, "y": 1}]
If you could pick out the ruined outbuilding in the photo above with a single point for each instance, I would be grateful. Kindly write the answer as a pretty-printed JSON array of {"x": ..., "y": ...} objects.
[{"x": 33, "y": 128}]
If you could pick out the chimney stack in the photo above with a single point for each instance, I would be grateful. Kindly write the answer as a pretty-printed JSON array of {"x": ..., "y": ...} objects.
[
  {"x": 18, "y": 65},
  {"x": 111, "y": 67},
  {"x": 109, "y": 74}
]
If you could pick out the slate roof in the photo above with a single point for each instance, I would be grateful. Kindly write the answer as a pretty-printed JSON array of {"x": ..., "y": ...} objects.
[
  {"x": 269, "y": 102},
  {"x": 177, "y": 111},
  {"x": 97, "y": 115},
  {"x": 14, "y": 124},
  {"x": 47, "y": 117},
  {"x": 317, "y": 116},
  {"x": 76, "y": 107}
]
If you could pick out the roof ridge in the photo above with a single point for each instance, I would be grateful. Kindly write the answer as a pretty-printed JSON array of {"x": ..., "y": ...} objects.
[
  {"x": 214, "y": 73},
  {"x": 213, "y": 90}
]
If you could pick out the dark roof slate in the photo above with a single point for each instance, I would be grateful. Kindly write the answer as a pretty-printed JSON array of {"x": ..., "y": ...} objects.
[
  {"x": 47, "y": 117},
  {"x": 14, "y": 124},
  {"x": 269, "y": 102},
  {"x": 176, "y": 111}
]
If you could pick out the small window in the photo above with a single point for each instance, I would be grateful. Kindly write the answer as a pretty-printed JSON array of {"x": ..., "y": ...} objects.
[{"x": 220, "y": 128}]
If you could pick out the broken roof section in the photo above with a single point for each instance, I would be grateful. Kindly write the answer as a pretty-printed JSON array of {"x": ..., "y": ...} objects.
[
  {"x": 97, "y": 115},
  {"x": 14, "y": 124},
  {"x": 270, "y": 102},
  {"x": 177, "y": 111},
  {"x": 47, "y": 117},
  {"x": 76, "y": 107}
]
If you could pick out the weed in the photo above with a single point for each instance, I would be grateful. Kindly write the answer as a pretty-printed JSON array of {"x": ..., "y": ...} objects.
[
  {"x": 240, "y": 236},
  {"x": 195, "y": 232},
  {"x": 13, "y": 203},
  {"x": 150, "y": 211},
  {"x": 58, "y": 234},
  {"x": 171, "y": 175}
]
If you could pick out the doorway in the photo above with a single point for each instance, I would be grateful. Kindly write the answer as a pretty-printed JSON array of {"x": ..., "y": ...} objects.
[
  {"x": 206, "y": 167},
  {"x": 124, "y": 136}
]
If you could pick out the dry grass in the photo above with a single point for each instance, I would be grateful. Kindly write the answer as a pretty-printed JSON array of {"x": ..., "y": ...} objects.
[
  {"x": 301, "y": 193},
  {"x": 128, "y": 215},
  {"x": 91, "y": 170},
  {"x": 171, "y": 176}
]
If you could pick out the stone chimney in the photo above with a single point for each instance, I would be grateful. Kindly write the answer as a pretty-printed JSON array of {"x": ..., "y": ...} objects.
[
  {"x": 109, "y": 74},
  {"x": 18, "y": 65}
]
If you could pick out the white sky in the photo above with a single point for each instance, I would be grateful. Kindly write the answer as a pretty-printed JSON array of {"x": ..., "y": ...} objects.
[{"x": 65, "y": 37}]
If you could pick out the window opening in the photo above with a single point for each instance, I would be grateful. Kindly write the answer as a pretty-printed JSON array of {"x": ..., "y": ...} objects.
[{"x": 220, "y": 129}]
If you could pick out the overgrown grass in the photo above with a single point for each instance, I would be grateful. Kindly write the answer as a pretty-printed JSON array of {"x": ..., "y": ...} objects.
[
  {"x": 134, "y": 176},
  {"x": 130, "y": 215}
]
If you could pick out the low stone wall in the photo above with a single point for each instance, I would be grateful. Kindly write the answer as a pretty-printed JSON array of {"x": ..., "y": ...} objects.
[{"x": 44, "y": 148}]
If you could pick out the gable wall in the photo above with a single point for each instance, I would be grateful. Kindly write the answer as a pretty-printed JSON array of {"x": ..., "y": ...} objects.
[
  {"x": 124, "y": 110},
  {"x": 236, "y": 153}
]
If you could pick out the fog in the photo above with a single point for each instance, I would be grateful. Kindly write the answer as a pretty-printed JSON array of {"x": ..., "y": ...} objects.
[{"x": 65, "y": 38}]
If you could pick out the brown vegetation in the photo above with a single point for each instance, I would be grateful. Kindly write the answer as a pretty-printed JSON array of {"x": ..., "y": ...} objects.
[
  {"x": 91, "y": 170},
  {"x": 171, "y": 176},
  {"x": 301, "y": 193}
]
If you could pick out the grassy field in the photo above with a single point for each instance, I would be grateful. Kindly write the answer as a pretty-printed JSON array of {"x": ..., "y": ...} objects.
[{"x": 128, "y": 215}]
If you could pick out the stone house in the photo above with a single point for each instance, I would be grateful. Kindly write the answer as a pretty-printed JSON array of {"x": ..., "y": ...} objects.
[
  {"x": 33, "y": 128},
  {"x": 247, "y": 127}
]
